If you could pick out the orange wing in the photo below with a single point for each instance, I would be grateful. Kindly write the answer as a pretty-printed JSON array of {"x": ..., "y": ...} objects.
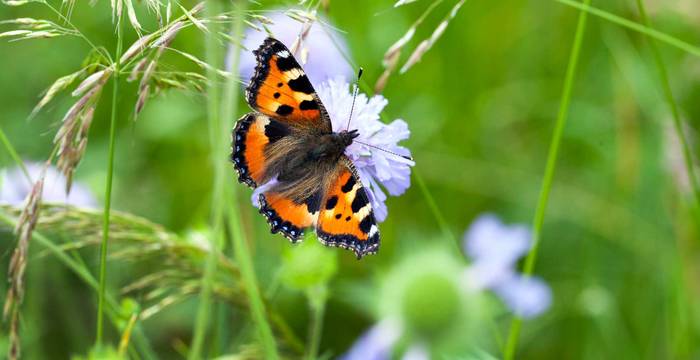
[
  {"x": 280, "y": 88},
  {"x": 253, "y": 132},
  {"x": 288, "y": 217},
  {"x": 346, "y": 218}
]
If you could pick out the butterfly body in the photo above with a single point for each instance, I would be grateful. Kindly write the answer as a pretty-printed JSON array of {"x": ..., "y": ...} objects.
[{"x": 288, "y": 151}]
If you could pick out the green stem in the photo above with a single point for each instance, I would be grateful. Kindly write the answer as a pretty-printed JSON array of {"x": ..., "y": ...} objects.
[
  {"x": 317, "y": 305},
  {"x": 108, "y": 186},
  {"x": 658, "y": 35},
  {"x": 214, "y": 57},
  {"x": 673, "y": 106},
  {"x": 240, "y": 245},
  {"x": 13, "y": 153},
  {"x": 514, "y": 332}
]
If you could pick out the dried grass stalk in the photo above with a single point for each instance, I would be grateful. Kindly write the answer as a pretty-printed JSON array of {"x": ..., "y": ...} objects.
[
  {"x": 18, "y": 263},
  {"x": 425, "y": 45}
]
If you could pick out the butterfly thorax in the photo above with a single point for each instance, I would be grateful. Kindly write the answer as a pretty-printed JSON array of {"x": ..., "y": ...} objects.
[{"x": 330, "y": 147}]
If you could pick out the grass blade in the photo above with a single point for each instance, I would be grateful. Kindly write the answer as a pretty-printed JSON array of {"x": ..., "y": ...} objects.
[
  {"x": 514, "y": 332},
  {"x": 108, "y": 188}
]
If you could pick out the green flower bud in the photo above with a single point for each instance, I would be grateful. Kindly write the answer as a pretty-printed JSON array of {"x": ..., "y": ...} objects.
[
  {"x": 308, "y": 264},
  {"x": 431, "y": 304}
]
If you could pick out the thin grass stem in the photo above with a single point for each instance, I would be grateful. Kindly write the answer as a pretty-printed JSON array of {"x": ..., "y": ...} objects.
[
  {"x": 108, "y": 187},
  {"x": 673, "y": 106},
  {"x": 658, "y": 35},
  {"x": 13, "y": 154},
  {"x": 214, "y": 57},
  {"x": 435, "y": 209},
  {"x": 516, "y": 324}
]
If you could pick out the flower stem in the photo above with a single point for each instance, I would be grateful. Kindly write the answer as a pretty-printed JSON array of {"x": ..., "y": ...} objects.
[
  {"x": 514, "y": 332},
  {"x": 673, "y": 106},
  {"x": 108, "y": 187},
  {"x": 317, "y": 305}
]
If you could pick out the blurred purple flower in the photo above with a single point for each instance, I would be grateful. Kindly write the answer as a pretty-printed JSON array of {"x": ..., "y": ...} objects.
[
  {"x": 324, "y": 46},
  {"x": 495, "y": 249},
  {"x": 14, "y": 187},
  {"x": 374, "y": 166},
  {"x": 376, "y": 343}
]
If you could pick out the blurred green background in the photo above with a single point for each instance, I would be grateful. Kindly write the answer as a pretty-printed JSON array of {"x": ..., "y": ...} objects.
[{"x": 620, "y": 241}]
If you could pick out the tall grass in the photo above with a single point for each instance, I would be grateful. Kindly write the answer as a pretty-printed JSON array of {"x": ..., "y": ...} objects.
[
  {"x": 548, "y": 178},
  {"x": 108, "y": 183},
  {"x": 221, "y": 110}
]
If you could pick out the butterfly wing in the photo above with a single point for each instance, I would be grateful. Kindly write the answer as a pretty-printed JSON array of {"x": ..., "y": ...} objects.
[
  {"x": 346, "y": 218},
  {"x": 288, "y": 216},
  {"x": 255, "y": 137},
  {"x": 280, "y": 89}
]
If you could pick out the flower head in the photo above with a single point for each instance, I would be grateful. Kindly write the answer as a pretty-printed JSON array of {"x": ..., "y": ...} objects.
[
  {"x": 495, "y": 249},
  {"x": 14, "y": 187},
  {"x": 376, "y": 167},
  {"x": 323, "y": 45}
]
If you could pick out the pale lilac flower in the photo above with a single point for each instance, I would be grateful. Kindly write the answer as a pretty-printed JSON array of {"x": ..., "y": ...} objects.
[
  {"x": 376, "y": 167},
  {"x": 14, "y": 187},
  {"x": 323, "y": 45},
  {"x": 376, "y": 343},
  {"x": 495, "y": 249}
]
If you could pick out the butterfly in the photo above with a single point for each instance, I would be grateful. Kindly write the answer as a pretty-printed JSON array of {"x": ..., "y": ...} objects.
[{"x": 287, "y": 150}]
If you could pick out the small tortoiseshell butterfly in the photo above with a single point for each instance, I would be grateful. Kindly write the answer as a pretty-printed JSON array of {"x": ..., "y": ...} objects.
[{"x": 288, "y": 143}]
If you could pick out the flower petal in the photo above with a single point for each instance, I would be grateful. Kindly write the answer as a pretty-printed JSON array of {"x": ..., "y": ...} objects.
[
  {"x": 527, "y": 297},
  {"x": 488, "y": 239},
  {"x": 375, "y": 344}
]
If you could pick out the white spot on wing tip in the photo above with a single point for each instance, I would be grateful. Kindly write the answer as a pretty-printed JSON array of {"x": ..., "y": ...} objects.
[{"x": 283, "y": 54}]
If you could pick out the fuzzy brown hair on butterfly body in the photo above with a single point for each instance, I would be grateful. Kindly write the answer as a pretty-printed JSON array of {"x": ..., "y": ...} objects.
[{"x": 287, "y": 146}]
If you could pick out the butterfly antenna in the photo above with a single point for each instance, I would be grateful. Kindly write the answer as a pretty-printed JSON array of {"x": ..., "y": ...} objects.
[
  {"x": 355, "y": 90},
  {"x": 385, "y": 150}
]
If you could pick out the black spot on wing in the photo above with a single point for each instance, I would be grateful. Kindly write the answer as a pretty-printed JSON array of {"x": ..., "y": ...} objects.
[
  {"x": 287, "y": 63},
  {"x": 276, "y": 95},
  {"x": 331, "y": 202},
  {"x": 284, "y": 110},
  {"x": 349, "y": 184},
  {"x": 367, "y": 222},
  {"x": 313, "y": 202},
  {"x": 359, "y": 201},
  {"x": 308, "y": 105},
  {"x": 301, "y": 84},
  {"x": 337, "y": 216},
  {"x": 275, "y": 130}
]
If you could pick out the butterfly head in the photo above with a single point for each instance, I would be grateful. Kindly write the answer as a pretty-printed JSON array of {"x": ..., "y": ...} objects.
[{"x": 346, "y": 136}]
